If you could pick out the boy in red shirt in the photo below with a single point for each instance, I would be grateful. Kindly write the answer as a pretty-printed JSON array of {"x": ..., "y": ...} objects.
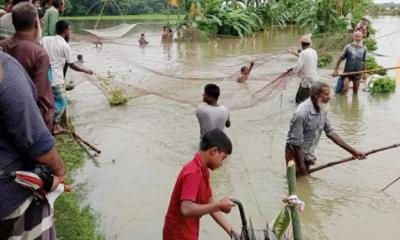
[{"x": 192, "y": 196}]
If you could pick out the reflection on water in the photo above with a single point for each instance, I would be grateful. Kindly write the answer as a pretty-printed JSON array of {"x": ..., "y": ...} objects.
[{"x": 152, "y": 137}]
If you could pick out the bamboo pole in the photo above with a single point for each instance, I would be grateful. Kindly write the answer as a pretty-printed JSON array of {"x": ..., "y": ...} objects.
[
  {"x": 291, "y": 178},
  {"x": 390, "y": 184},
  {"x": 367, "y": 71},
  {"x": 79, "y": 139},
  {"x": 330, "y": 164}
]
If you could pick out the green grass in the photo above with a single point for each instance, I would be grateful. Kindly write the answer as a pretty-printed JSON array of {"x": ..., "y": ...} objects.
[
  {"x": 117, "y": 97},
  {"x": 71, "y": 220},
  {"x": 147, "y": 17}
]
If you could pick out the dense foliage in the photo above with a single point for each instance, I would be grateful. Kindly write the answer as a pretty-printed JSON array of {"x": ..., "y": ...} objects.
[
  {"x": 383, "y": 85},
  {"x": 245, "y": 17}
]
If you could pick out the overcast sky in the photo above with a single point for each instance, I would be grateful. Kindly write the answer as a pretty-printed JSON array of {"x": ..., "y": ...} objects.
[{"x": 385, "y": 1}]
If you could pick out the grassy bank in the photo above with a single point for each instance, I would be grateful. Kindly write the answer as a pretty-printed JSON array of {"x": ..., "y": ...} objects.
[
  {"x": 71, "y": 220},
  {"x": 146, "y": 17}
]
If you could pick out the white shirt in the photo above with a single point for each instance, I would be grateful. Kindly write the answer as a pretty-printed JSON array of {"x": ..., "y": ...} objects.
[
  {"x": 306, "y": 67},
  {"x": 59, "y": 53},
  {"x": 211, "y": 117}
]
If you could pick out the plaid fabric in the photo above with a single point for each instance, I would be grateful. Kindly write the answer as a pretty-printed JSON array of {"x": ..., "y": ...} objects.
[{"x": 32, "y": 220}]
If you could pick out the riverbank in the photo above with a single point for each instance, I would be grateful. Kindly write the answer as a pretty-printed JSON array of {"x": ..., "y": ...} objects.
[
  {"x": 72, "y": 220},
  {"x": 145, "y": 17}
]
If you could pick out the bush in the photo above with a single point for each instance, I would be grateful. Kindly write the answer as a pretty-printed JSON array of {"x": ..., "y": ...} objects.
[
  {"x": 385, "y": 84},
  {"x": 324, "y": 60},
  {"x": 370, "y": 44},
  {"x": 372, "y": 64},
  {"x": 117, "y": 97}
]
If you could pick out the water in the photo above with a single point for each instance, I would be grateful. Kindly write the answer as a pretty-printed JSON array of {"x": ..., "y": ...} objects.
[{"x": 145, "y": 144}]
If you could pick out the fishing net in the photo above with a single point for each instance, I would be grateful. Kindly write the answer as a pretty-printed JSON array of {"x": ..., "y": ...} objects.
[
  {"x": 112, "y": 32},
  {"x": 236, "y": 100}
]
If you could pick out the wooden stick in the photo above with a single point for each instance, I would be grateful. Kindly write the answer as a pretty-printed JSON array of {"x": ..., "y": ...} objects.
[
  {"x": 367, "y": 71},
  {"x": 85, "y": 142},
  {"x": 351, "y": 158},
  {"x": 80, "y": 140},
  {"x": 390, "y": 184}
]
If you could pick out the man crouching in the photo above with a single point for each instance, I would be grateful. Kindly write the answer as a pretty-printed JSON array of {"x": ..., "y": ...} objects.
[{"x": 306, "y": 125}]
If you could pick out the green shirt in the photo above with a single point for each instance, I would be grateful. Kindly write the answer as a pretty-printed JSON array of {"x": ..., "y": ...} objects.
[{"x": 50, "y": 19}]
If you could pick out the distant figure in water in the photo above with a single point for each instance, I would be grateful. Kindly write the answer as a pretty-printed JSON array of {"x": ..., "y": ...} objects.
[
  {"x": 97, "y": 42},
  {"x": 170, "y": 35},
  {"x": 165, "y": 35},
  {"x": 245, "y": 72},
  {"x": 80, "y": 59},
  {"x": 142, "y": 40}
]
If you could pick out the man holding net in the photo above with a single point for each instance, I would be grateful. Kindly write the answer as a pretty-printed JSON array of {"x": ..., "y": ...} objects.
[{"x": 305, "y": 68}]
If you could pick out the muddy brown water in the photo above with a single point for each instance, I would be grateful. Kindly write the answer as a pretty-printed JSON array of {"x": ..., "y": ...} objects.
[{"x": 145, "y": 143}]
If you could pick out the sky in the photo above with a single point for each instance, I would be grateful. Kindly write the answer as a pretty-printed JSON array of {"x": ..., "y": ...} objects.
[{"x": 386, "y": 1}]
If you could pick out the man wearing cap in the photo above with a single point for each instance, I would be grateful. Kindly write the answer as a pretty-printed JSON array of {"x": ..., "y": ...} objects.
[{"x": 305, "y": 68}]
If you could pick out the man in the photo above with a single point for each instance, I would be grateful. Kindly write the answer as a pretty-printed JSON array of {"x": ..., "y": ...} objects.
[
  {"x": 245, "y": 72},
  {"x": 142, "y": 40},
  {"x": 60, "y": 53},
  {"x": 305, "y": 68},
  {"x": 7, "y": 29},
  {"x": 51, "y": 17},
  {"x": 212, "y": 115},
  {"x": 24, "y": 141},
  {"x": 165, "y": 35},
  {"x": 24, "y": 47},
  {"x": 306, "y": 125},
  {"x": 355, "y": 54},
  {"x": 192, "y": 195}
]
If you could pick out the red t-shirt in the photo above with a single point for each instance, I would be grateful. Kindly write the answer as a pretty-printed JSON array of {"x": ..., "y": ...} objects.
[{"x": 193, "y": 184}]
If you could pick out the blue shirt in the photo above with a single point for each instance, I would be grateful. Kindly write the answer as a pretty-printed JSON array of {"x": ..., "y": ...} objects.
[
  {"x": 23, "y": 134},
  {"x": 355, "y": 57}
]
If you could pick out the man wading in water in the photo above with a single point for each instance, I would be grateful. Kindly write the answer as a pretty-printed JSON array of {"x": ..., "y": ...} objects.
[
  {"x": 306, "y": 125},
  {"x": 212, "y": 115},
  {"x": 192, "y": 195},
  {"x": 245, "y": 72},
  {"x": 355, "y": 54},
  {"x": 305, "y": 68}
]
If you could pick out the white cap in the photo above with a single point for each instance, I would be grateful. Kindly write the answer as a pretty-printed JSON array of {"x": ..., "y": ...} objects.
[{"x": 305, "y": 39}]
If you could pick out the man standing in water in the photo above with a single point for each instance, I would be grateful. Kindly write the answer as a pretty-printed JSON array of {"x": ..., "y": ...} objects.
[
  {"x": 306, "y": 125},
  {"x": 142, "y": 40},
  {"x": 212, "y": 115},
  {"x": 192, "y": 195},
  {"x": 245, "y": 72},
  {"x": 305, "y": 68},
  {"x": 355, "y": 54}
]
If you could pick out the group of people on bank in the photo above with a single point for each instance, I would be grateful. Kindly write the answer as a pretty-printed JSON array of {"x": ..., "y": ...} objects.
[{"x": 33, "y": 62}]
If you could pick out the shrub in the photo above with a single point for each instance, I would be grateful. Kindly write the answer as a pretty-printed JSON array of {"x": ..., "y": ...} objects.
[{"x": 385, "y": 84}]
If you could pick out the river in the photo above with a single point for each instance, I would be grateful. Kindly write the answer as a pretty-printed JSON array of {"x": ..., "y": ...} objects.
[{"x": 145, "y": 143}]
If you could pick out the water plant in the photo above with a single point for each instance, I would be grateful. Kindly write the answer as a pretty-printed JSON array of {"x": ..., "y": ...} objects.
[
  {"x": 370, "y": 44},
  {"x": 324, "y": 60},
  {"x": 117, "y": 97},
  {"x": 383, "y": 85},
  {"x": 372, "y": 64}
]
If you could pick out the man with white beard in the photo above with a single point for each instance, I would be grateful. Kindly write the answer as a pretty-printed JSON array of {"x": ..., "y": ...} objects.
[
  {"x": 355, "y": 54},
  {"x": 306, "y": 125}
]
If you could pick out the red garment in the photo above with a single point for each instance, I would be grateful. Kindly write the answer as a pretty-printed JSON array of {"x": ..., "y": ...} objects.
[
  {"x": 193, "y": 184},
  {"x": 34, "y": 59}
]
